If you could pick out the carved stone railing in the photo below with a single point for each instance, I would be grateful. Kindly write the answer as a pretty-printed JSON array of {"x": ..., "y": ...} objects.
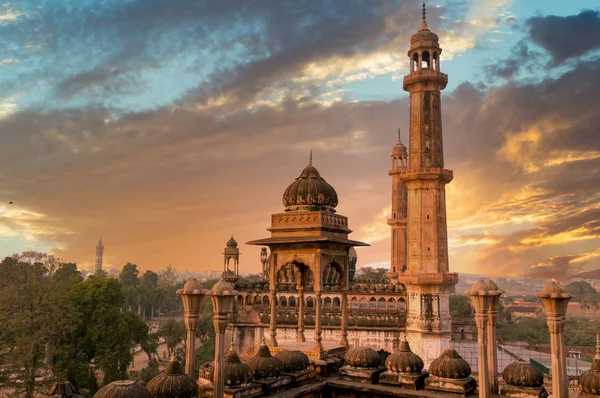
[{"x": 309, "y": 218}]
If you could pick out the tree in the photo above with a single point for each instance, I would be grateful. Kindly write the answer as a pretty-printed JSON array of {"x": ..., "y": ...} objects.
[
  {"x": 30, "y": 304},
  {"x": 460, "y": 305},
  {"x": 584, "y": 293},
  {"x": 173, "y": 332},
  {"x": 129, "y": 282},
  {"x": 369, "y": 274}
]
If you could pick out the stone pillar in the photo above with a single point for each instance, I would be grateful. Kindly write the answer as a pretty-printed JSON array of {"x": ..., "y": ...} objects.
[
  {"x": 220, "y": 321},
  {"x": 273, "y": 318},
  {"x": 318, "y": 308},
  {"x": 222, "y": 296},
  {"x": 300, "y": 336},
  {"x": 344, "y": 340},
  {"x": 481, "y": 297},
  {"x": 192, "y": 295},
  {"x": 555, "y": 300},
  {"x": 492, "y": 340}
]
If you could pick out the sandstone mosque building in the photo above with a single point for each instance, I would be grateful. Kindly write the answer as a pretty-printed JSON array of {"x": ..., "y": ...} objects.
[
  {"x": 307, "y": 329},
  {"x": 309, "y": 235}
]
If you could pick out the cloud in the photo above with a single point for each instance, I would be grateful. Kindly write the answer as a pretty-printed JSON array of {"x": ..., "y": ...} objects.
[{"x": 566, "y": 37}]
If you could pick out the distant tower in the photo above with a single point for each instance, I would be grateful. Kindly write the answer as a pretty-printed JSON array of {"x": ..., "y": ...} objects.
[
  {"x": 399, "y": 205},
  {"x": 99, "y": 254},
  {"x": 230, "y": 253},
  {"x": 427, "y": 278},
  {"x": 264, "y": 259}
]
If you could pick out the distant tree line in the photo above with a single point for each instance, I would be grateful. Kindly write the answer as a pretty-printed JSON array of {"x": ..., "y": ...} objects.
[{"x": 57, "y": 326}]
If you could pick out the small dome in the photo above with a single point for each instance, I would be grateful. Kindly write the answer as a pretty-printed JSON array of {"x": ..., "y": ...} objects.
[
  {"x": 123, "y": 388},
  {"x": 264, "y": 365},
  {"x": 293, "y": 360},
  {"x": 589, "y": 382},
  {"x": 522, "y": 374},
  {"x": 63, "y": 389},
  {"x": 404, "y": 361},
  {"x": 450, "y": 365},
  {"x": 223, "y": 288},
  {"x": 236, "y": 372},
  {"x": 399, "y": 149},
  {"x": 310, "y": 192},
  {"x": 231, "y": 242},
  {"x": 172, "y": 383},
  {"x": 363, "y": 357}
]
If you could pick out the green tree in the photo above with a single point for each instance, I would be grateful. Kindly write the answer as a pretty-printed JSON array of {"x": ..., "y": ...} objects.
[
  {"x": 128, "y": 278},
  {"x": 173, "y": 332},
  {"x": 460, "y": 305},
  {"x": 30, "y": 308},
  {"x": 584, "y": 293},
  {"x": 369, "y": 274}
]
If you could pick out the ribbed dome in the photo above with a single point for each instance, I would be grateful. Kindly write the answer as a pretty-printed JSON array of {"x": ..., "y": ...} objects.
[
  {"x": 363, "y": 357},
  {"x": 172, "y": 383},
  {"x": 235, "y": 371},
  {"x": 62, "y": 389},
  {"x": 523, "y": 374},
  {"x": 123, "y": 389},
  {"x": 231, "y": 242},
  {"x": 424, "y": 35},
  {"x": 264, "y": 365},
  {"x": 589, "y": 382},
  {"x": 310, "y": 192},
  {"x": 404, "y": 361},
  {"x": 293, "y": 360},
  {"x": 450, "y": 365},
  {"x": 399, "y": 149}
]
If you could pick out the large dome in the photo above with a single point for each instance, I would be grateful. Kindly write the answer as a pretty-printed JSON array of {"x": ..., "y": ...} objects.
[
  {"x": 123, "y": 388},
  {"x": 264, "y": 365},
  {"x": 522, "y": 374},
  {"x": 293, "y": 360},
  {"x": 363, "y": 357},
  {"x": 236, "y": 372},
  {"x": 310, "y": 192}
]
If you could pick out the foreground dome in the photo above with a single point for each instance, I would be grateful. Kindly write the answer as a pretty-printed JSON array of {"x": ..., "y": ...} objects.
[
  {"x": 63, "y": 389},
  {"x": 123, "y": 389},
  {"x": 172, "y": 383},
  {"x": 404, "y": 361},
  {"x": 363, "y": 357},
  {"x": 523, "y": 374},
  {"x": 235, "y": 371},
  {"x": 450, "y": 365},
  {"x": 293, "y": 360},
  {"x": 310, "y": 192},
  {"x": 264, "y": 365},
  {"x": 589, "y": 382}
]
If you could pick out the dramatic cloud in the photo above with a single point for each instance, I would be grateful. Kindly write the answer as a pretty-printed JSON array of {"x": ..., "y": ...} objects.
[
  {"x": 188, "y": 122},
  {"x": 566, "y": 37}
]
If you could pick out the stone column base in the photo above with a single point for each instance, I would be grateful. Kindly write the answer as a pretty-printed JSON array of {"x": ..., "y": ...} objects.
[
  {"x": 460, "y": 387},
  {"x": 409, "y": 381},
  {"x": 506, "y": 390},
  {"x": 364, "y": 375}
]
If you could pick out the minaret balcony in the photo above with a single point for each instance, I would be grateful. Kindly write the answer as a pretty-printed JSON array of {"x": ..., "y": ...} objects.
[
  {"x": 426, "y": 74},
  {"x": 427, "y": 174}
]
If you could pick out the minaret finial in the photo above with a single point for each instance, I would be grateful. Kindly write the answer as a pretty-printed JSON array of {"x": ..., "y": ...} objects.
[
  {"x": 424, "y": 23},
  {"x": 310, "y": 159},
  {"x": 399, "y": 140}
]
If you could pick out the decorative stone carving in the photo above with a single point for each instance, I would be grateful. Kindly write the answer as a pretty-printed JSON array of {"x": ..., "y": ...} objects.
[
  {"x": 523, "y": 380},
  {"x": 450, "y": 373}
]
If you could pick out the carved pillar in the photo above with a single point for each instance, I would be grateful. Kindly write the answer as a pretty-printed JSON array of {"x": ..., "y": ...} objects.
[
  {"x": 481, "y": 319},
  {"x": 318, "y": 308},
  {"x": 555, "y": 300},
  {"x": 273, "y": 318},
  {"x": 344, "y": 304},
  {"x": 220, "y": 321},
  {"x": 193, "y": 296},
  {"x": 492, "y": 340},
  {"x": 300, "y": 337}
]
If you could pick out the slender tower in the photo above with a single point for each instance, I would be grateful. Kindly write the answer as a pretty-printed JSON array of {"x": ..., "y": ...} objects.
[
  {"x": 427, "y": 278},
  {"x": 99, "y": 254},
  {"x": 398, "y": 220}
]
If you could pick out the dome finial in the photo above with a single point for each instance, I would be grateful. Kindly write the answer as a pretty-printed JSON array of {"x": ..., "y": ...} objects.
[
  {"x": 399, "y": 139},
  {"x": 424, "y": 23},
  {"x": 231, "y": 343},
  {"x": 310, "y": 158}
]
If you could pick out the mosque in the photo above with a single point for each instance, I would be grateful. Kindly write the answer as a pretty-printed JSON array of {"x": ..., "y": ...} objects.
[{"x": 308, "y": 330}]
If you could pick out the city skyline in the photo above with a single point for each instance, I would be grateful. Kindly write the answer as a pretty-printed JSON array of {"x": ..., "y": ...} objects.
[{"x": 164, "y": 139}]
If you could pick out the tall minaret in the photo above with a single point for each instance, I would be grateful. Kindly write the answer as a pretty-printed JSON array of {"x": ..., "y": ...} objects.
[
  {"x": 427, "y": 278},
  {"x": 398, "y": 220},
  {"x": 99, "y": 254}
]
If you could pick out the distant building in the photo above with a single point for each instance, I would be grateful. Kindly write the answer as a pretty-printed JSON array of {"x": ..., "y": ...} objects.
[{"x": 99, "y": 254}]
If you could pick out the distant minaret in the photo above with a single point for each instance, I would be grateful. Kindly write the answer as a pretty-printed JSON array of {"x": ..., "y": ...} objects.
[
  {"x": 399, "y": 209},
  {"x": 99, "y": 254}
]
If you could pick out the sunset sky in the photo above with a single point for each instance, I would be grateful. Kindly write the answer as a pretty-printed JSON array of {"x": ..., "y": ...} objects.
[{"x": 165, "y": 126}]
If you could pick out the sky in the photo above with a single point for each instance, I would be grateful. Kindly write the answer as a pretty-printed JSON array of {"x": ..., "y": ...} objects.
[{"x": 166, "y": 126}]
